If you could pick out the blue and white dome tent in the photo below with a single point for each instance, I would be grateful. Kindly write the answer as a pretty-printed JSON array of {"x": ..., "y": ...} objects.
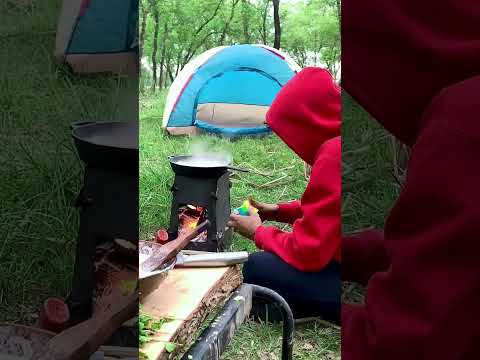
[
  {"x": 95, "y": 36},
  {"x": 227, "y": 90}
]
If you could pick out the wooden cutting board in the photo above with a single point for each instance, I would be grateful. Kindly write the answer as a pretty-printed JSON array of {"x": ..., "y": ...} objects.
[{"x": 187, "y": 296}]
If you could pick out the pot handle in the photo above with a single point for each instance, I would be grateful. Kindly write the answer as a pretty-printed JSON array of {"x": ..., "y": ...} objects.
[
  {"x": 234, "y": 168},
  {"x": 78, "y": 124}
]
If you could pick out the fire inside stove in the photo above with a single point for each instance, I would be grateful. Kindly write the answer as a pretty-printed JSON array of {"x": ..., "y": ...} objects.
[{"x": 189, "y": 217}]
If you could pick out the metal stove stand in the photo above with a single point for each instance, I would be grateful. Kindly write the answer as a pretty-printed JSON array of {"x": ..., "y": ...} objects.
[{"x": 214, "y": 339}]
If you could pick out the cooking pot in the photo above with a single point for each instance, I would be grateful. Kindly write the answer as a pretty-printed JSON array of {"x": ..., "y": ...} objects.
[
  {"x": 204, "y": 166},
  {"x": 107, "y": 145}
]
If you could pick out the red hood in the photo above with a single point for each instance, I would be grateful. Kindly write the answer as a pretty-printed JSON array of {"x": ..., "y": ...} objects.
[
  {"x": 398, "y": 55},
  {"x": 307, "y": 112}
]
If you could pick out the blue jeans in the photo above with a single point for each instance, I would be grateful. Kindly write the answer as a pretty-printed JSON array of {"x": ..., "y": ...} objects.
[{"x": 309, "y": 294}]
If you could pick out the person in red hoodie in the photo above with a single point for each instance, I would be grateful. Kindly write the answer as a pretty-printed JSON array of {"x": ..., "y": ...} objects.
[
  {"x": 303, "y": 265},
  {"x": 415, "y": 66}
]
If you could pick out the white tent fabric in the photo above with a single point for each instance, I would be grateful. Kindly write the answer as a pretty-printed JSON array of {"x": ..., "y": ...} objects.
[{"x": 183, "y": 77}]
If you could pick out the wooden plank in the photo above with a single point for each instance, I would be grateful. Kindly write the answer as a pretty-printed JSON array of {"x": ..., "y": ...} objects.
[
  {"x": 119, "y": 351},
  {"x": 187, "y": 296},
  {"x": 213, "y": 340}
]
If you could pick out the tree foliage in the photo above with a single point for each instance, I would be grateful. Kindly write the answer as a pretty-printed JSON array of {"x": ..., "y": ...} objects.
[{"x": 173, "y": 32}]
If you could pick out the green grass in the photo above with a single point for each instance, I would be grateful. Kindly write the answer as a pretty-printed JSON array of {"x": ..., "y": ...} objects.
[
  {"x": 270, "y": 159},
  {"x": 41, "y": 173},
  {"x": 263, "y": 342},
  {"x": 368, "y": 185}
]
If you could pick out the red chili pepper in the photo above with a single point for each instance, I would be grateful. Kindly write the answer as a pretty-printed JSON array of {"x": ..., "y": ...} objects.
[
  {"x": 161, "y": 236},
  {"x": 54, "y": 315}
]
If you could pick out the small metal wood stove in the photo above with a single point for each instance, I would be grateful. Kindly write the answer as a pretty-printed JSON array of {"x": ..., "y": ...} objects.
[
  {"x": 108, "y": 204},
  {"x": 210, "y": 198}
]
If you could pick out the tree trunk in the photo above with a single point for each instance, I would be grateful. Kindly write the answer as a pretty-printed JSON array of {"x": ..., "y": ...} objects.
[
  {"x": 143, "y": 25},
  {"x": 264, "y": 24},
  {"x": 164, "y": 50},
  {"x": 339, "y": 10},
  {"x": 141, "y": 43},
  {"x": 155, "y": 46},
  {"x": 178, "y": 64},
  {"x": 170, "y": 75},
  {"x": 246, "y": 30},
  {"x": 168, "y": 70},
  {"x": 227, "y": 23},
  {"x": 276, "y": 21},
  {"x": 190, "y": 51},
  {"x": 304, "y": 58},
  {"x": 193, "y": 51},
  {"x": 219, "y": 4}
]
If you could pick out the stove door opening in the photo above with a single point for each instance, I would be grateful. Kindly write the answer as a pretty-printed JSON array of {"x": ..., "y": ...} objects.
[{"x": 189, "y": 216}]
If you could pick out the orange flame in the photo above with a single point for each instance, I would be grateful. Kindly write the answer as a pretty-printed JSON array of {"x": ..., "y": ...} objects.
[
  {"x": 192, "y": 224},
  {"x": 188, "y": 220}
]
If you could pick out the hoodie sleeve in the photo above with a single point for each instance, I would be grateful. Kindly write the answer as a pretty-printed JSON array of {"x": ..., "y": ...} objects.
[
  {"x": 289, "y": 212},
  {"x": 363, "y": 255},
  {"x": 315, "y": 238}
]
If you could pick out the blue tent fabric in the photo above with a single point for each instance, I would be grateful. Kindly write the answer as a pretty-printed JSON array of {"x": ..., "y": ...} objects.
[
  {"x": 271, "y": 71},
  {"x": 240, "y": 87},
  {"x": 232, "y": 132},
  {"x": 107, "y": 26}
]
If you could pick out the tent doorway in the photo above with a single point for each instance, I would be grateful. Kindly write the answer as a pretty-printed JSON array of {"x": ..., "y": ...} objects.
[{"x": 237, "y": 100}]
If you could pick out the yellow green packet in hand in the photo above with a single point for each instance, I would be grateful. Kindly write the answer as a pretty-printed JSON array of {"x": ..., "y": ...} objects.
[{"x": 243, "y": 210}]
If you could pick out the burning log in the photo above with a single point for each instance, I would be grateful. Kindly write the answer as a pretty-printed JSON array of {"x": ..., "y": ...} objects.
[{"x": 190, "y": 216}]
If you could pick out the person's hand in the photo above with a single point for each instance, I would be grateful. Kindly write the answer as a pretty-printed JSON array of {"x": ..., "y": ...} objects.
[
  {"x": 266, "y": 211},
  {"x": 245, "y": 225}
]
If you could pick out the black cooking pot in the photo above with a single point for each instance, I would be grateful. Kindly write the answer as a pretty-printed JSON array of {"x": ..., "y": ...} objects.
[
  {"x": 107, "y": 145},
  {"x": 203, "y": 167}
]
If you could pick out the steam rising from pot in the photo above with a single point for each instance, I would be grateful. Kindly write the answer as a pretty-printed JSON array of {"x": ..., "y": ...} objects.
[{"x": 204, "y": 155}]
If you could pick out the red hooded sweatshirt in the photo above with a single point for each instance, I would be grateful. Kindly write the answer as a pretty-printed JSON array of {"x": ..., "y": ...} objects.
[
  {"x": 415, "y": 66},
  {"x": 306, "y": 116}
]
